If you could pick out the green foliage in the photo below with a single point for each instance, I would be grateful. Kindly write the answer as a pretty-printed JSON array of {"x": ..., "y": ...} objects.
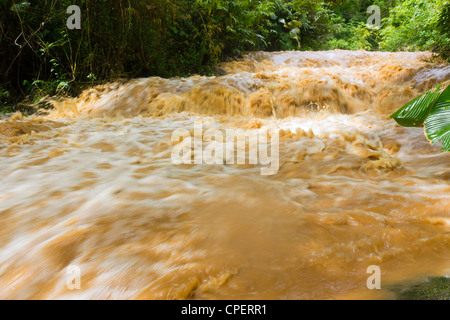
[
  {"x": 432, "y": 109},
  {"x": 137, "y": 38},
  {"x": 437, "y": 125},
  {"x": 354, "y": 35},
  {"x": 4, "y": 101},
  {"x": 414, "y": 113},
  {"x": 349, "y": 30},
  {"x": 413, "y": 25},
  {"x": 444, "y": 27}
]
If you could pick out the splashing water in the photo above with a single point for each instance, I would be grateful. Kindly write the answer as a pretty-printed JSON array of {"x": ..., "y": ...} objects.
[{"x": 92, "y": 185}]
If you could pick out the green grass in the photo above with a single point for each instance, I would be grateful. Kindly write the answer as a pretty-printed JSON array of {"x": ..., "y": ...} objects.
[{"x": 431, "y": 289}]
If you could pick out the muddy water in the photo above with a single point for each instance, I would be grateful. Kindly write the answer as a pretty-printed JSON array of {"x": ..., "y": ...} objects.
[{"x": 92, "y": 185}]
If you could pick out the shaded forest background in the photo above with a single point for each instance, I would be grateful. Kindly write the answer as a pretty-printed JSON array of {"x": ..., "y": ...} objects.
[{"x": 122, "y": 39}]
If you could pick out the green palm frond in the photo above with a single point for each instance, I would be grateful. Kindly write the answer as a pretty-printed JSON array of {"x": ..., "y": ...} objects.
[
  {"x": 432, "y": 109},
  {"x": 437, "y": 125},
  {"x": 414, "y": 113}
]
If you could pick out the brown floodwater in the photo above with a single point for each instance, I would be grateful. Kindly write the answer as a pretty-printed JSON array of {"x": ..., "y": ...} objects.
[{"x": 91, "y": 184}]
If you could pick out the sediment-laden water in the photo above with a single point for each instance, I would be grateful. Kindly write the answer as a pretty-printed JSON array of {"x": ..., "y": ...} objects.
[{"x": 92, "y": 185}]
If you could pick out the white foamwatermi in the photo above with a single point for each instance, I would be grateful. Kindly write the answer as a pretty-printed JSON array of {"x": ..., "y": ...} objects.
[{"x": 220, "y": 148}]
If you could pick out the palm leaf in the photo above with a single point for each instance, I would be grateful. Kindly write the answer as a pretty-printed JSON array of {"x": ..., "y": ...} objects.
[
  {"x": 437, "y": 125},
  {"x": 414, "y": 113}
]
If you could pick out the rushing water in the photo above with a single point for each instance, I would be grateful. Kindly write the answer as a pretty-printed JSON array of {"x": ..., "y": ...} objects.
[{"x": 92, "y": 185}]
